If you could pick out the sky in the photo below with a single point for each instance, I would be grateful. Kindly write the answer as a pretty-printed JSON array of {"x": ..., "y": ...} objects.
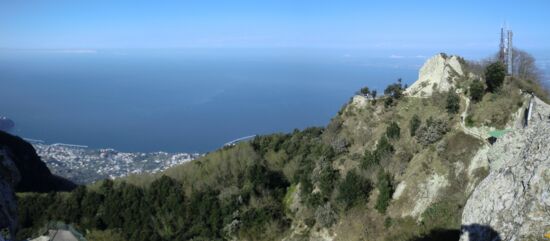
[{"x": 103, "y": 24}]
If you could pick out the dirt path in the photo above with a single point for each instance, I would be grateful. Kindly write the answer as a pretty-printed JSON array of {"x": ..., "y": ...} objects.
[{"x": 470, "y": 131}]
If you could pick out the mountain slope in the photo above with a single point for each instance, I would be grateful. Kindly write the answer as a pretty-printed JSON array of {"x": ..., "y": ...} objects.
[{"x": 398, "y": 167}]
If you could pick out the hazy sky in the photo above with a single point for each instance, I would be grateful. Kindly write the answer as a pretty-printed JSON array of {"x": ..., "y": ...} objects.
[{"x": 264, "y": 23}]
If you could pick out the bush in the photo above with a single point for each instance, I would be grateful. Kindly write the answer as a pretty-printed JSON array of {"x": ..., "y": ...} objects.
[
  {"x": 353, "y": 189},
  {"x": 325, "y": 216},
  {"x": 494, "y": 76},
  {"x": 469, "y": 121},
  {"x": 476, "y": 90},
  {"x": 326, "y": 176},
  {"x": 384, "y": 147},
  {"x": 365, "y": 91},
  {"x": 414, "y": 123},
  {"x": 369, "y": 160},
  {"x": 385, "y": 188},
  {"x": 393, "y": 92},
  {"x": 453, "y": 102},
  {"x": 393, "y": 131},
  {"x": 432, "y": 131},
  {"x": 383, "y": 150},
  {"x": 388, "y": 102}
]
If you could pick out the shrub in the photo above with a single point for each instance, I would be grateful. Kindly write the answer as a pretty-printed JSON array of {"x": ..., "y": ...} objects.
[
  {"x": 476, "y": 90},
  {"x": 453, "y": 102},
  {"x": 469, "y": 121},
  {"x": 393, "y": 131},
  {"x": 326, "y": 176},
  {"x": 353, "y": 189},
  {"x": 384, "y": 147},
  {"x": 395, "y": 90},
  {"x": 494, "y": 76},
  {"x": 385, "y": 188},
  {"x": 432, "y": 131},
  {"x": 414, "y": 123},
  {"x": 325, "y": 215},
  {"x": 383, "y": 150},
  {"x": 388, "y": 102},
  {"x": 369, "y": 160},
  {"x": 365, "y": 91},
  {"x": 442, "y": 214}
]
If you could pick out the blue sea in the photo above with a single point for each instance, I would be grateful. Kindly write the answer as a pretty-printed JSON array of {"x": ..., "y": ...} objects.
[{"x": 184, "y": 100}]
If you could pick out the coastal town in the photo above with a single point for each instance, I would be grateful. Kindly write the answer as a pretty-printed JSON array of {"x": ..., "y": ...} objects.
[{"x": 86, "y": 165}]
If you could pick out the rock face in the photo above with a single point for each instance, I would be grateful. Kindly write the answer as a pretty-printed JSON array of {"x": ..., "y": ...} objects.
[
  {"x": 514, "y": 199},
  {"x": 439, "y": 73},
  {"x": 22, "y": 170},
  {"x": 9, "y": 178},
  {"x": 35, "y": 175}
]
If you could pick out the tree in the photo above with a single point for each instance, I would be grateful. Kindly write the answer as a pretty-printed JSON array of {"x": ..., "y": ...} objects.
[
  {"x": 365, "y": 91},
  {"x": 525, "y": 66},
  {"x": 494, "y": 76},
  {"x": 414, "y": 123},
  {"x": 385, "y": 188},
  {"x": 476, "y": 90},
  {"x": 395, "y": 90},
  {"x": 432, "y": 131},
  {"x": 453, "y": 102},
  {"x": 353, "y": 189},
  {"x": 393, "y": 131},
  {"x": 383, "y": 150},
  {"x": 326, "y": 176}
]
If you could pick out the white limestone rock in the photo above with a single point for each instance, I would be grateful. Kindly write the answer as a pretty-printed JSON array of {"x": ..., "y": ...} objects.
[
  {"x": 513, "y": 201},
  {"x": 439, "y": 73}
]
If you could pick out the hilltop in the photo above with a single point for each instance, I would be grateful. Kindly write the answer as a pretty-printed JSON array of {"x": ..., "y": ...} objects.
[{"x": 404, "y": 166}]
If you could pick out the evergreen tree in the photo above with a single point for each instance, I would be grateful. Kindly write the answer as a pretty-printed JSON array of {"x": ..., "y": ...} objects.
[
  {"x": 476, "y": 90},
  {"x": 453, "y": 102},
  {"x": 494, "y": 76}
]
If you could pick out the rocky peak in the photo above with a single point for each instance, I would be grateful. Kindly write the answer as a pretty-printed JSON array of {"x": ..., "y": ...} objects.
[{"x": 439, "y": 73}]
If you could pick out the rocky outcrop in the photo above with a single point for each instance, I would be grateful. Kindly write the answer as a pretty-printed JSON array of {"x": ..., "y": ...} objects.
[
  {"x": 35, "y": 175},
  {"x": 22, "y": 170},
  {"x": 439, "y": 73},
  {"x": 514, "y": 199},
  {"x": 9, "y": 178}
]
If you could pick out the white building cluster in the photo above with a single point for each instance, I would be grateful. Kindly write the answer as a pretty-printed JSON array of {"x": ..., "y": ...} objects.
[{"x": 85, "y": 165}]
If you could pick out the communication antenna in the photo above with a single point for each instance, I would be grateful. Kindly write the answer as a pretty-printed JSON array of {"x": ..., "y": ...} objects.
[
  {"x": 506, "y": 49},
  {"x": 502, "y": 47},
  {"x": 510, "y": 53}
]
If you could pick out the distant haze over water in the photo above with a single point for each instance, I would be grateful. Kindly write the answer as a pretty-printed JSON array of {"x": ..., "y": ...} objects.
[{"x": 186, "y": 100}]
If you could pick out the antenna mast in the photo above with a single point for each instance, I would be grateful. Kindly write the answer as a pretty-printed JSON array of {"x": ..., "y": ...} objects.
[{"x": 506, "y": 49}]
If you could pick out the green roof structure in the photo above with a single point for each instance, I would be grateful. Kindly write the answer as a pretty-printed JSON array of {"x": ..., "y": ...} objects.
[{"x": 498, "y": 133}]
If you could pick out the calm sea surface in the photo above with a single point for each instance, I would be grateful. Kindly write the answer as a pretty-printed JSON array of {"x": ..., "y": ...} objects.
[{"x": 182, "y": 101}]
